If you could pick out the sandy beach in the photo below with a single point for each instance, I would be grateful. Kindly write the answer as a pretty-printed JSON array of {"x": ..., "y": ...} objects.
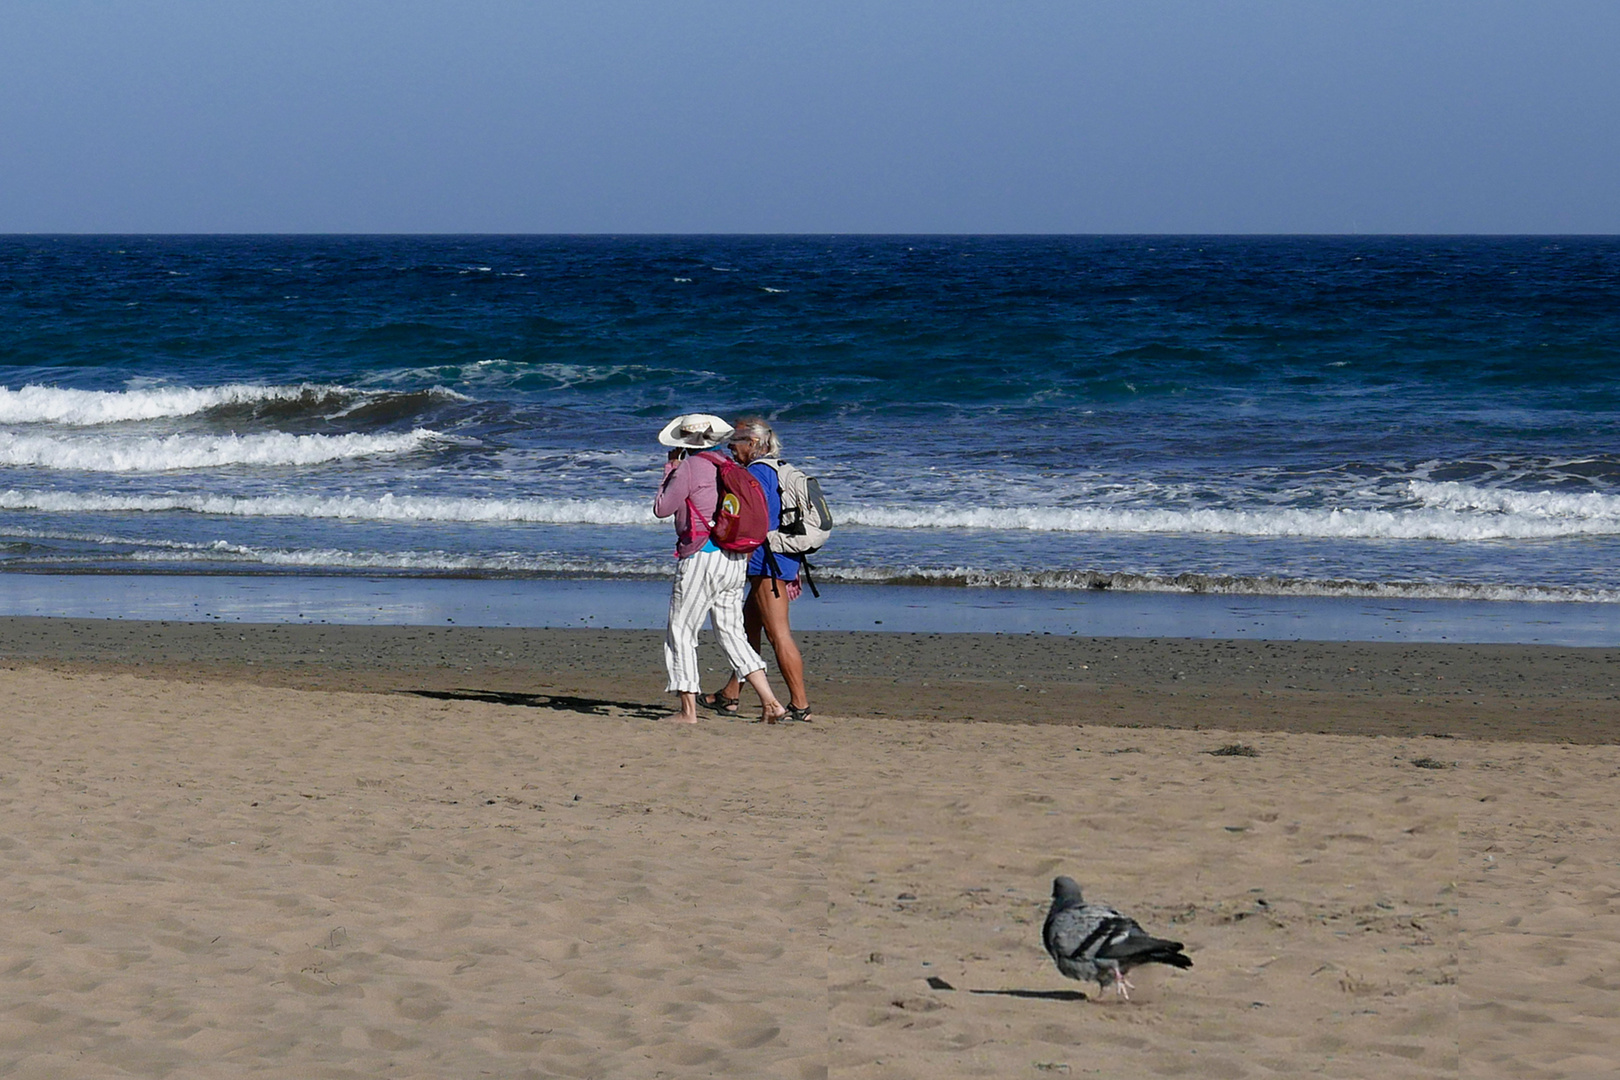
[{"x": 303, "y": 851}]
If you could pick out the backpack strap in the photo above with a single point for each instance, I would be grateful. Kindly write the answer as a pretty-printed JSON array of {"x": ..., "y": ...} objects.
[
  {"x": 773, "y": 567},
  {"x": 696, "y": 520},
  {"x": 804, "y": 571},
  {"x": 693, "y": 517},
  {"x": 776, "y": 467}
]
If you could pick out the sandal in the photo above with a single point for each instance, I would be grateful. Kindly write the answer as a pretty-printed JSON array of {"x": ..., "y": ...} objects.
[
  {"x": 725, "y": 706},
  {"x": 796, "y": 716}
]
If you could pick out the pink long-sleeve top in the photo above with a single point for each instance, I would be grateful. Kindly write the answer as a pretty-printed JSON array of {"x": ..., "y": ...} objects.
[{"x": 694, "y": 478}]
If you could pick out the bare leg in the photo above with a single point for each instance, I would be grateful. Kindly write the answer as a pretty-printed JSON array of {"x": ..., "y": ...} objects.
[
  {"x": 687, "y": 714},
  {"x": 771, "y": 710},
  {"x": 772, "y": 609}
]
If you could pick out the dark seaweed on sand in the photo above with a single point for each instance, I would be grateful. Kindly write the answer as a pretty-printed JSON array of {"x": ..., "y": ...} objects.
[{"x": 1235, "y": 749}]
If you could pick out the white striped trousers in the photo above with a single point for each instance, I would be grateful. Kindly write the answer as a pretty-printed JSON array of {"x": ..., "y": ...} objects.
[{"x": 707, "y": 583}]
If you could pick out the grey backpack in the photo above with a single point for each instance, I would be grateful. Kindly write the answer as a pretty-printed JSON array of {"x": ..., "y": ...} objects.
[{"x": 806, "y": 520}]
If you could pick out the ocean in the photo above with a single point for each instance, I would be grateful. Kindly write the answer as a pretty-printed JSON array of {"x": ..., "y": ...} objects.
[{"x": 1370, "y": 419}]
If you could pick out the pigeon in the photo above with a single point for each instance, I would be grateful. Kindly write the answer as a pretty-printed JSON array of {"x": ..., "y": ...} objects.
[{"x": 1093, "y": 941}]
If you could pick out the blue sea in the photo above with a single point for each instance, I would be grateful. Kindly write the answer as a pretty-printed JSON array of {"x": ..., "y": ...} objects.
[{"x": 1414, "y": 423}]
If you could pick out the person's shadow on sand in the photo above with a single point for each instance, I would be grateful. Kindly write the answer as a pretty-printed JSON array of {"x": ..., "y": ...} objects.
[{"x": 588, "y": 706}]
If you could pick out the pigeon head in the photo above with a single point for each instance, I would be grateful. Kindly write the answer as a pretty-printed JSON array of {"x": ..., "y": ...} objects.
[{"x": 1065, "y": 890}]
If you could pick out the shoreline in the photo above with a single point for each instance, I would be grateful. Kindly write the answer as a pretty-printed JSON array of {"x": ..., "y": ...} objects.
[
  {"x": 1534, "y": 693},
  {"x": 624, "y": 604}
]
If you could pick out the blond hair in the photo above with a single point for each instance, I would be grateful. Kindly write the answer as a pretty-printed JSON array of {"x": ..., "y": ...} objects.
[{"x": 756, "y": 428}]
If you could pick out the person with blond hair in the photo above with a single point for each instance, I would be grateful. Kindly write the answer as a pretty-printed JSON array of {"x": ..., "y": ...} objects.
[{"x": 773, "y": 579}]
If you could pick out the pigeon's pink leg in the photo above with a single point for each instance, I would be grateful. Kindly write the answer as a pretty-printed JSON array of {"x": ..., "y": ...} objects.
[{"x": 1121, "y": 984}]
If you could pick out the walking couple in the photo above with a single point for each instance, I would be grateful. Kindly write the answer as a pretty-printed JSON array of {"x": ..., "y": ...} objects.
[{"x": 710, "y": 579}]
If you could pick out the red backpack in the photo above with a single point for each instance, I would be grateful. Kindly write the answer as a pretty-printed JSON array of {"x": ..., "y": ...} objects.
[{"x": 741, "y": 517}]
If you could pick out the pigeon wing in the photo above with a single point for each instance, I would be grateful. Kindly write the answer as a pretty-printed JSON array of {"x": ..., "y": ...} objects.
[
  {"x": 1075, "y": 933},
  {"x": 1127, "y": 943}
]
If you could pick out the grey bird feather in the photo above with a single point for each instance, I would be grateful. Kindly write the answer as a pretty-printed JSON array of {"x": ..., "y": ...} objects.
[{"x": 1094, "y": 941}]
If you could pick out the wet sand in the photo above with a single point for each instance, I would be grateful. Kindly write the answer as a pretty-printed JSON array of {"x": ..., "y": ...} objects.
[
  {"x": 1519, "y": 692},
  {"x": 337, "y": 851}
]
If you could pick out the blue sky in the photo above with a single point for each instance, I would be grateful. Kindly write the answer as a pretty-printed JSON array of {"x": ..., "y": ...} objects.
[{"x": 1202, "y": 116}]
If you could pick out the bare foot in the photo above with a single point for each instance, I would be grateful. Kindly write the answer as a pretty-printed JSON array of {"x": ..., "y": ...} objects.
[
  {"x": 687, "y": 713},
  {"x": 772, "y": 711}
]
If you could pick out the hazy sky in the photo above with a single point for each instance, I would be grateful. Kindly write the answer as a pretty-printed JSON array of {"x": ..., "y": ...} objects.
[{"x": 810, "y": 116}]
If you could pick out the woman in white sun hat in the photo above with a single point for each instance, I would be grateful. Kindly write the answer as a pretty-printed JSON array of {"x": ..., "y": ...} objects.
[{"x": 708, "y": 580}]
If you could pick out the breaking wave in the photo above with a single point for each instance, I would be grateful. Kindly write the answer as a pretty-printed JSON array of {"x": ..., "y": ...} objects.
[
  {"x": 1326, "y": 524},
  {"x": 1534, "y": 505},
  {"x": 1218, "y": 585},
  {"x": 128, "y": 454},
  {"x": 1453, "y": 512},
  {"x": 88, "y": 408},
  {"x": 435, "y": 563},
  {"x": 224, "y": 556},
  {"x": 379, "y": 508},
  {"x": 1447, "y": 511}
]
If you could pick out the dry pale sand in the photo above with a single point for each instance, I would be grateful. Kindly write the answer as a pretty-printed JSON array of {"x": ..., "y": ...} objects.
[{"x": 221, "y": 876}]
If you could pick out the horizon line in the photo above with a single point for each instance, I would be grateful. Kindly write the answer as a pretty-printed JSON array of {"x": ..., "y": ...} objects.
[{"x": 613, "y": 234}]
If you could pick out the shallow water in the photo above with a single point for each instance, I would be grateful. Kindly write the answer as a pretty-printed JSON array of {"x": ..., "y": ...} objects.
[{"x": 641, "y": 605}]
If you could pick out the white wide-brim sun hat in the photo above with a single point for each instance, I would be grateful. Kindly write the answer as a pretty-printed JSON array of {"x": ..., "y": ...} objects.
[{"x": 695, "y": 431}]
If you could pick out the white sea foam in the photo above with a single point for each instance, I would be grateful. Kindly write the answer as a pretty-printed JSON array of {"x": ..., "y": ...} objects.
[
  {"x": 122, "y": 541},
  {"x": 173, "y": 552},
  {"x": 126, "y": 454},
  {"x": 1567, "y": 506},
  {"x": 146, "y": 549},
  {"x": 1425, "y": 523},
  {"x": 86, "y": 408},
  {"x": 1214, "y": 584},
  {"x": 50, "y": 405},
  {"x": 359, "y": 508},
  {"x": 417, "y": 562}
]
